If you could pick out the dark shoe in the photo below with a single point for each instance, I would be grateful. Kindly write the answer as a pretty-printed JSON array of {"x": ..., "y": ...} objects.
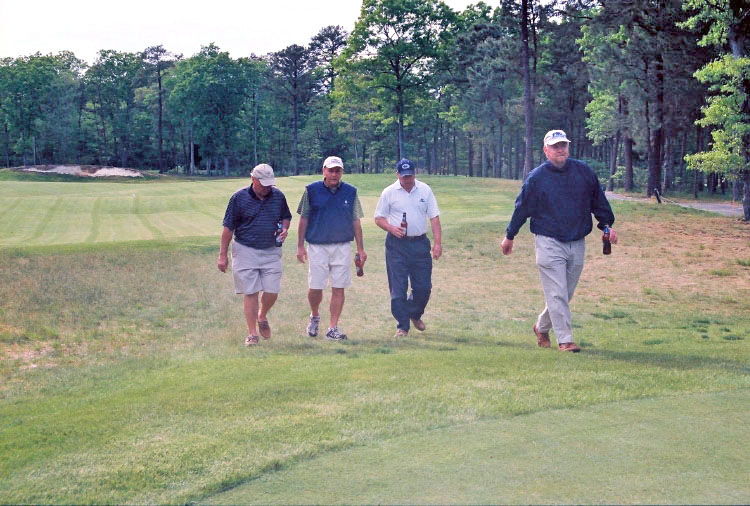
[
  {"x": 251, "y": 340},
  {"x": 333, "y": 334},
  {"x": 570, "y": 347},
  {"x": 264, "y": 328},
  {"x": 401, "y": 333},
  {"x": 542, "y": 338},
  {"x": 418, "y": 324}
]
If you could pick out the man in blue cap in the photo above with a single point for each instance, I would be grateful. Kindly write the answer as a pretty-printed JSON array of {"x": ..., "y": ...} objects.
[{"x": 408, "y": 256}]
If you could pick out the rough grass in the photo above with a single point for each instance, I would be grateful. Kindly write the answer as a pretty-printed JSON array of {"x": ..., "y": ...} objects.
[{"x": 124, "y": 378}]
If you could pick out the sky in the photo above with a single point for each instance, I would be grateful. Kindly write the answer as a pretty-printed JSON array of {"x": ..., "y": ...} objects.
[{"x": 240, "y": 27}]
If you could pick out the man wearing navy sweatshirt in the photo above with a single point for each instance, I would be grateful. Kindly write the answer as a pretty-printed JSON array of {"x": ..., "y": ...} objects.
[{"x": 559, "y": 196}]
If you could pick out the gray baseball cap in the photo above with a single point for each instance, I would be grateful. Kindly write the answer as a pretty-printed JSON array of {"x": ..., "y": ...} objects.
[{"x": 264, "y": 173}]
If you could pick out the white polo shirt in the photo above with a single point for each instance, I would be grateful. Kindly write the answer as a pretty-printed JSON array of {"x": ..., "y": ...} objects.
[{"x": 419, "y": 204}]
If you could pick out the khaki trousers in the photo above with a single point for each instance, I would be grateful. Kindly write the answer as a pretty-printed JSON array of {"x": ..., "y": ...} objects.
[{"x": 560, "y": 265}]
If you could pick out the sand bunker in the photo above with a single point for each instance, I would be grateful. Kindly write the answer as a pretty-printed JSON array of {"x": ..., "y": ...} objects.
[{"x": 84, "y": 170}]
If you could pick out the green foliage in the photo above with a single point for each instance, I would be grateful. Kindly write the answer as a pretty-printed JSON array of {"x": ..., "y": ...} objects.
[{"x": 725, "y": 112}]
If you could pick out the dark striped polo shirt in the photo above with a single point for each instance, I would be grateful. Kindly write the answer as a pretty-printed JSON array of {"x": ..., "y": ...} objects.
[{"x": 254, "y": 220}]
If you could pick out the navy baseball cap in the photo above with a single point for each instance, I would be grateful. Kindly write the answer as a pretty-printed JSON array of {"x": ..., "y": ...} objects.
[{"x": 405, "y": 167}]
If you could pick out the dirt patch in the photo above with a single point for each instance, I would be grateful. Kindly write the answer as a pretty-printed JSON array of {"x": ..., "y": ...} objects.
[
  {"x": 82, "y": 170},
  {"x": 28, "y": 357},
  {"x": 731, "y": 209}
]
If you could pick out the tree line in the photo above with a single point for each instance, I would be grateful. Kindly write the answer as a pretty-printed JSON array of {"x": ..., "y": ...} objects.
[{"x": 653, "y": 93}]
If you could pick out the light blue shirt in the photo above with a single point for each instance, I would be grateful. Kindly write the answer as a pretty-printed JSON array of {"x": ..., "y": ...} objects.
[{"x": 419, "y": 205}]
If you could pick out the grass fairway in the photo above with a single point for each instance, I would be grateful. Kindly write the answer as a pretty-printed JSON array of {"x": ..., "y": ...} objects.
[{"x": 124, "y": 379}]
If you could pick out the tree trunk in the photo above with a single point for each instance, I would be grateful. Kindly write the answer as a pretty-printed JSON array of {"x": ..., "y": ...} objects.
[
  {"x": 295, "y": 155},
  {"x": 485, "y": 171},
  {"x": 668, "y": 166},
  {"x": 192, "y": 151},
  {"x": 527, "y": 91},
  {"x": 470, "y": 149},
  {"x": 628, "y": 163},
  {"x": 161, "y": 152},
  {"x": 737, "y": 190},
  {"x": 255, "y": 127},
  {"x": 400, "y": 112},
  {"x": 613, "y": 161},
  {"x": 500, "y": 141},
  {"x": 655, "y": 153},
  {"x": 226, "y": 166},
  {"x": 746, "y": 198}
]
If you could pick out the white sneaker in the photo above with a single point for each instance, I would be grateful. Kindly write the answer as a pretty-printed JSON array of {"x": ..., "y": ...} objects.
[
  {"x": 312, "y": 327},
  {"x": 333, "y": 334}
]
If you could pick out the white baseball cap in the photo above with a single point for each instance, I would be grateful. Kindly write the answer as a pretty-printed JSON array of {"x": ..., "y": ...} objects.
[
  {"x": 555, "y": 136},
  {"x": 333, "y": 161},
  {"x": 264, "y": 173}
]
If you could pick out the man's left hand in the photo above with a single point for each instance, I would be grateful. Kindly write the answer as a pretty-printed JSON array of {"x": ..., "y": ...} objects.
[
  {"x": 222, "y": 263},
  {"x": 612, "y": 236},
  {"x": 362, "y": 257},
  {"x": 437, "y": 251}
]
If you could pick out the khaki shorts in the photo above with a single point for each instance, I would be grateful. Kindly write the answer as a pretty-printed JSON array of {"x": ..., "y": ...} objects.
[
  {"x": 254, "y": 270},
  {"x": 329, "y": 260}
]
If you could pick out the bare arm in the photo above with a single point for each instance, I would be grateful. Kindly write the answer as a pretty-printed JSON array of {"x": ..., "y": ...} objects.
[
  {"x": 437, "y": 234},
  {"x": 382, "y": 222},
  {"x": 301, "y": 229},
  {"x": 226, "y": 238},
  {"x": 284, "y": 229},
  {"x": 360, "y": 241}
]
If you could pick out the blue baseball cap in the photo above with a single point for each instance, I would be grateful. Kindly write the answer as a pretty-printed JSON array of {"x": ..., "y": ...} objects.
[{"x": 405, "y": 167}]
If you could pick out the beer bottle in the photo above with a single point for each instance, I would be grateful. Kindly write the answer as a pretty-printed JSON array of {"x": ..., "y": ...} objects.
[
  {"x": 404, "y": 224},
  {"x": 358, "y": 264},
  {"x": 279, "y": 229},
  {"x": 606, "y": 245}
]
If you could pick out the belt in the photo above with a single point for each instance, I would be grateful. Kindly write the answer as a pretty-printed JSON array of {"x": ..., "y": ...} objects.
[{"x": 414, "y": 237}]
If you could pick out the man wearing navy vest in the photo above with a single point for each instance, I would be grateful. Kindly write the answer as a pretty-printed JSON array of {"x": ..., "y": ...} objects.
[
  {"x": 330, "y": 214},
  {"x": 252, "y": 219}
]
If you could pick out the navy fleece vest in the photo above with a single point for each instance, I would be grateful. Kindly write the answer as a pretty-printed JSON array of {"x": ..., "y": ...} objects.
[{"x": 332, "y": 214}]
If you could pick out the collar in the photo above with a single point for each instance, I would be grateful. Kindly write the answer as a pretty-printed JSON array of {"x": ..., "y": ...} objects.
[
  {"x": 254, "y": 195},
  {"x": 332, "y": 188}
]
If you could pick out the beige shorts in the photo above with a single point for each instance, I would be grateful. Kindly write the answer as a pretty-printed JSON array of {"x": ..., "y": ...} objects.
[
  {"x": 329, "y": 260},
  {"x": 254, "y": 270}
]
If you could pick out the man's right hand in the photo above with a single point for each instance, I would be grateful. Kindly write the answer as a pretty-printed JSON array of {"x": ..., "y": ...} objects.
[
  {"x": 507, "y": 246},
  {"x": 301, "y": 254},
  {"x": 398, "y": 232},
  {"x": 222, "y": 263}
]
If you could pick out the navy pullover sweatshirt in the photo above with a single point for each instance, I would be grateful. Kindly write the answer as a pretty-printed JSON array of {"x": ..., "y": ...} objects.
[{"x": 560, "y": 202}]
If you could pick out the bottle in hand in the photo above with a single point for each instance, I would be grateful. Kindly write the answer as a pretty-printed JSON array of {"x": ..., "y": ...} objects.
[
  {"x": 606, "y": 245},
  {"x": 358, "y": 264},
  {"x": 279, "y": 229},
  {"x": 404, "y": 225}
]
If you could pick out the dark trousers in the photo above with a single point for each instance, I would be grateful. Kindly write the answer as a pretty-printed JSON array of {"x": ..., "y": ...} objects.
[{"x": 408, "y": 261}]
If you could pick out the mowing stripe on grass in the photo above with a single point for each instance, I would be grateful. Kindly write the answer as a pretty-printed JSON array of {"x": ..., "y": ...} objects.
[
  {"x": 9, "y": 208},
  {"x": 96, "y": 213},
  {"x": 39, "y": 230},
  {"x": 670, "y": 450},
  {"x": 155, "y": 232},
  {"x": 198, "y": 209}
]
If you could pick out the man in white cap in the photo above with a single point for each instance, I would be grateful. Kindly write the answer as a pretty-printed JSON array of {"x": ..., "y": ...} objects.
[
  {"x": 330, "y": 214},
  {"x": 559, "y": 196},
  {"x": 252, "y": 217}
]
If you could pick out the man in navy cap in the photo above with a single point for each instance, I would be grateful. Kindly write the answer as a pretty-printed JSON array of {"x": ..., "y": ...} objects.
[{"x": 408, "y": 256}]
